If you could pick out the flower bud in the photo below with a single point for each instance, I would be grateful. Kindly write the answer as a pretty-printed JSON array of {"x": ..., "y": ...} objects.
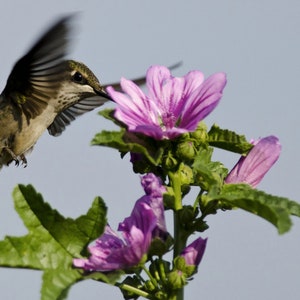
[
  {"x": 149, "y": 286},
  {"x": 193, "y": 254},
  {"x": 170, "y": 162},
  {"x": 200, "y": 134},
  {"x": 186, "y": 150},
  {"x": 186, "y": 174},
  {"x": 176, "y": 280}
]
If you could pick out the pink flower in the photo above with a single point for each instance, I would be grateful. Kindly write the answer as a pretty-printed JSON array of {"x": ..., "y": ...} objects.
[
  {"x": 112, "y": 252},
  {"x": 174, "y": 105},
  {"x": 147, "y": 221},
  {"x": 193, "y": 253},
  {"x": 252, "y": 168}
]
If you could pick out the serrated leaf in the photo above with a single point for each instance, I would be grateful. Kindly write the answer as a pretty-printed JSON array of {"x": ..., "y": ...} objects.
[
  {"x": 208, "y": 174},
  {"x": 109, "y": 115},
  {"x": 52, "y": 240},
  {"x": 129, "y": 142},
  {"x": 274, "y": 209},
  {"x": 228, "y": 140},
  {"x": 57, "y": 282},
  {"x": 292, "y": 207}
]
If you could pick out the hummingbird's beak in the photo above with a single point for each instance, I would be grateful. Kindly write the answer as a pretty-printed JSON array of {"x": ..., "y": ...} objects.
[{"x": 103, "y": 94}]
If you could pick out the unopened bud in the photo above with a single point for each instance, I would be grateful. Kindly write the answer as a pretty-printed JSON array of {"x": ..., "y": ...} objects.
[
  {"x": 186, "y": 151},
  {"x": 170, "y": 162},
  {"x": 200, "y": 134}
]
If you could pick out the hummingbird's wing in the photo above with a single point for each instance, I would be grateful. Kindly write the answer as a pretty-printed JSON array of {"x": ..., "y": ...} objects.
[
  {"x": 36, "y": 77},
  {"x": 116, "y": 85},
  {"x": 65, "y": 117},
  {"x": 139, "y": 80}
]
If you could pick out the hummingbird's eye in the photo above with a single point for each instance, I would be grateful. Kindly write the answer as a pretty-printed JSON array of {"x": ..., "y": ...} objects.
[{"x": 79, "y": 78}]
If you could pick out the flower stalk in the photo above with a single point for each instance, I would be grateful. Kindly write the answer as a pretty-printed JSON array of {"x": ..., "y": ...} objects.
[
  {"x": 179, "y": 239},
  {"x": 134, "y": 290}
]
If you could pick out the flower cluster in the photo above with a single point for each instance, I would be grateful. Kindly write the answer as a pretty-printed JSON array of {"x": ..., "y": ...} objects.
[
  {"x": 173, "y": 106},
  {"x": 179, "y": 151}
]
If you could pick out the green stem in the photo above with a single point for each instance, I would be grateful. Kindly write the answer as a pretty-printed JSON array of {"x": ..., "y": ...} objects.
[
  {"x": 175, "y": 183},
  {"x": 179, "y": 235},
  {"x": 134, "y": 290},
  {"x": 156, "y": 272},
  {"x": 139, "y": 277},
  {"x": 178, "y": 296},
  {"x": 162, "y": 273},
  {"x": 153, "y": 280},
  {"x": 198, "y": 198}
]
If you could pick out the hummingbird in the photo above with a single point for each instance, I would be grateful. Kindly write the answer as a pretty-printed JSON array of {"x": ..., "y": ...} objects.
[{"x": 46, "y": 91}]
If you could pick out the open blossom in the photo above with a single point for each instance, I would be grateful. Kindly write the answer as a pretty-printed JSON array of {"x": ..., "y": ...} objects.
[
  {"x": 112, "y": 252},
  {"x": 252, "y": 168},
  {"x": 193, "y": 253},
  {"x": 174, "y": 105}
]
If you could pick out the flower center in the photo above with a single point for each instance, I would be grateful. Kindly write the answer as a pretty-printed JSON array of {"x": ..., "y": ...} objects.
[{"x": 168, "y": 120}]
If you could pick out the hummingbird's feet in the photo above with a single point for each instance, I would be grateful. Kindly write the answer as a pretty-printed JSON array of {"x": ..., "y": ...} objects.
[
  {"x": 15, "y": 158},
  {"x": 22, "y": 159}
]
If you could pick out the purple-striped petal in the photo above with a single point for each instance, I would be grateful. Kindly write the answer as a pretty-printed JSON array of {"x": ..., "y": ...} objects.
[
  {"x": 193, "y": 253},
  {"x": 252, "y": 168},
  {"x": 203, "y": 100}
]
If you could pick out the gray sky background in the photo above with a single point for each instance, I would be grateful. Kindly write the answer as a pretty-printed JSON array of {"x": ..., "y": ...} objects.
[{"x": 255, "y": 42}]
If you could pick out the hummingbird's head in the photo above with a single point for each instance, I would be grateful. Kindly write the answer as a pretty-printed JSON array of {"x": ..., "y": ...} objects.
[
  {"x": 79, "y": 92},
  {"x": 80, "y": 85}
]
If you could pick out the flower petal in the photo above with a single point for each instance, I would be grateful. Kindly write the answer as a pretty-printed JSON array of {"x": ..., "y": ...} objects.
[
  {"x": 156, "y": 78},
  {"x": 135, "y": 108},
  {"x": 203, "y": 100},
  {"x": 193, "y": 80},
  {"x": 252, "y": 168}
]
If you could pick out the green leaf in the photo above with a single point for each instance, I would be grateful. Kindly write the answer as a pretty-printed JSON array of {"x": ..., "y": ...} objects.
[
  {"x": 209, "y": 175},
  {"x": 52, "y": 241},
  {"x": 109, "y": 115},
  {"x": 57, "y": 282},
  {"x": 130, "y": 142},
  {"x": 276, "y": 210},
  {"x": 228, "y": 140},
  {"x": 292, "y": 207}
]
